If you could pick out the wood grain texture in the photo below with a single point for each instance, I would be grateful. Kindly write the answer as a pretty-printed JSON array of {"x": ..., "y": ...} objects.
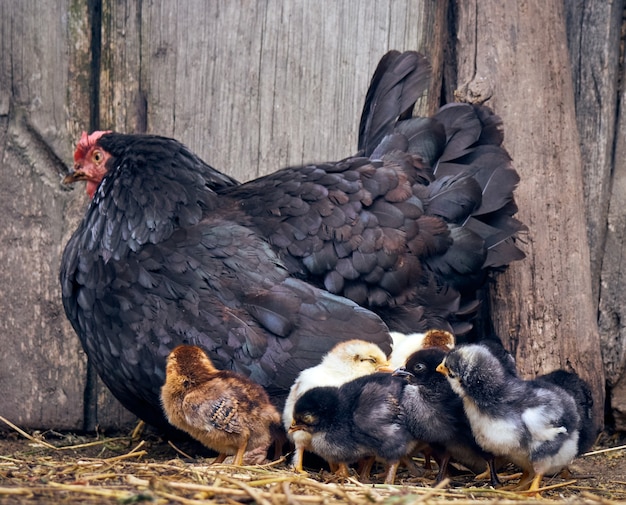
[
  {"x": 44, "y": 104},
  {"x": 593, "y": 29},
  {"x": 32, "y": 328},
  {"x": 593, "y": 35},
  {"x": 612, "y": 310},
  {"x": 253, "y": 87},
  {"x": 516, "y": 60}
]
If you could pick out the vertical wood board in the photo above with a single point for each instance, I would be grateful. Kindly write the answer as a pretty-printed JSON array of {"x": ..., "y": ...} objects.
[{"x": 516, "y": 60}]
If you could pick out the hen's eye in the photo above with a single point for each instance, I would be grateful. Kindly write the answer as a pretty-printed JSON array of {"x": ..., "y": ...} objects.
[{"x": 98, "y": 156}]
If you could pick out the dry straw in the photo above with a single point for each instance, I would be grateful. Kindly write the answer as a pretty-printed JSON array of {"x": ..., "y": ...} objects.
[{"x": 127, "y": 471}]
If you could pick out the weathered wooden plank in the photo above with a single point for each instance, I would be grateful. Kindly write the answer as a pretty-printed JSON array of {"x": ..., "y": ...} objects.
[
  {"x": 282, "y": 85},
  {"x": 517, "y": 60},
  {"x": 612, "y": 311},
  {"x": 121, "y": 104},
  {"x": 594, "y": 30},
  {"x": 39, "y": 387},
  {"x": 593, "y": 34}
]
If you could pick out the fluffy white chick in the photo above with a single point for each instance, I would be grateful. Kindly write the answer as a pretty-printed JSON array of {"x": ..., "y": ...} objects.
[
  {"x": 343, "y": 363},
  {"x": 405, "y": 344}
]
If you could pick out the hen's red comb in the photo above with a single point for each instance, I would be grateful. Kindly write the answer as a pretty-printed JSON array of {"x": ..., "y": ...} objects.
[{"x": 86, "y": 142}]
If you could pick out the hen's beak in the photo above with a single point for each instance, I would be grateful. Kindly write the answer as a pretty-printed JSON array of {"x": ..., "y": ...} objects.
[
  {"x": 441, "y": 368},
  {"x": 75, "y": 175}
]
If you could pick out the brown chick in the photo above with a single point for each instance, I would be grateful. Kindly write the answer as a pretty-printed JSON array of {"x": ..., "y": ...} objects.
[{"x": 225, "y": 411}]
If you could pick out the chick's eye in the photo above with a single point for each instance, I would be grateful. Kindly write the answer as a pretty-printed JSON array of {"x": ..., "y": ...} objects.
[
  {"x": 370, "y": 360},
  {"x": 420, "y": 367},
  {"x": 308, "y": 419}
]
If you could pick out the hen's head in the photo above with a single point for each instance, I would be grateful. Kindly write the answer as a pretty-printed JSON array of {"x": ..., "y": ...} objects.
[{"x": 90, "y": 162}]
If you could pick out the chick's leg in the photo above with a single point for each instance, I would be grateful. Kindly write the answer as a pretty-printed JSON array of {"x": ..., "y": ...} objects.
[
  {"x": 298, "y": 457},
  {"x": 443, "y": 468},
  {"x": 240, "y": 452},
  {"x": 220, "y": 458},
  {"x": 390, "y": 478},
  {"x": 522, "y": 485},
  {"x": 415, "y": 470},
  {"x": 490, "y": 473},
  {"x": 365, "y": 468},
  {"x": 536, "y": 483},
  {"x": 342, "y": 470},
  {"x": 528, "y": 477}
]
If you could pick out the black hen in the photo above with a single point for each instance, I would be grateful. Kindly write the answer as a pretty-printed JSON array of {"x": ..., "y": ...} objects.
[
  {"x": 409, "y": 229},
  {"x": 172, "y": 252}
]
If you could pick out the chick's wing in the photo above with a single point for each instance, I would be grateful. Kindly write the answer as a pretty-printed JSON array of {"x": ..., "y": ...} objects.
[{"x": 219, "y": 411}]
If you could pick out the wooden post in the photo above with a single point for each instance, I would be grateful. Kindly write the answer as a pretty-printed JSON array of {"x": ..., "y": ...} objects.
[{"x": 516, "y": 60}]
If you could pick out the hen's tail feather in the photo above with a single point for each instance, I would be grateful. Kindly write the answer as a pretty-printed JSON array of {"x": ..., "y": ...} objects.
[
  {"x": 471, "y": 189},
  {"x": 463, "y": 130},
  {"x": 435, "y": 306},
  {"x": 453, "y": 198},
  {"x": 478, "y": 153},
  {"x": 399, "y": 80},
  {"x": 426, "y": 138},
  {"x": 498, "y": 239}
]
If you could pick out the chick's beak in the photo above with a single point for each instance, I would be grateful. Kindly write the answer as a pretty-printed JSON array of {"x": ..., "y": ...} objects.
[
  {"x": 384, "y": 368},
  {"x": 441, "y": 368},
  {"x": 296, "y": 427},
  {"x": 402, "y": 372}
]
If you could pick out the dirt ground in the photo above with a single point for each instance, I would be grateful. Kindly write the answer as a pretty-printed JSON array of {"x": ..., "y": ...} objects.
[{"x": 65, "y": 468}]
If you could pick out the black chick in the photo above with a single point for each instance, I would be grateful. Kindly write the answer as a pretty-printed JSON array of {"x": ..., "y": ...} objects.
[
  {"x": 361, "y": 419},
  {"x": 537, "y": 424},
  {"x": 583, "y": 398},
  {"x": 434, "y": 414}
]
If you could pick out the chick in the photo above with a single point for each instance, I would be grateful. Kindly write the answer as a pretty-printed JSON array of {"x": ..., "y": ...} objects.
[
  {"x": 360, "y": 419},
  {"x": 537, "y": 424},
  {"x": 344, "y": 362},
  {"x": 434, "y": 414},
  {"x": 584, "y": 401},
  {"x": 403, "y": 345},
  {"x": 225, "y": 411}
]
